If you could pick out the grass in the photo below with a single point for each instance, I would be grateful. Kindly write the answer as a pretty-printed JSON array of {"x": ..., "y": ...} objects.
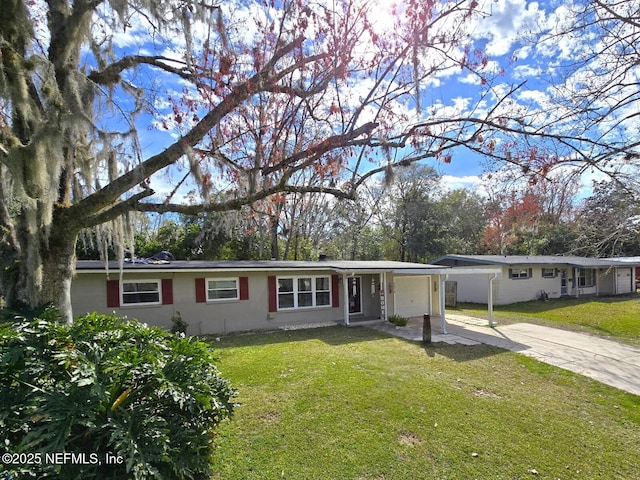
[
  {"x": 353, "y": 403},
  {"x": 617, "y": 318}
]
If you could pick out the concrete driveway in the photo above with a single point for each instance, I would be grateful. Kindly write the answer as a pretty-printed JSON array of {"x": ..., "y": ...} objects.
[{"x": 606, "y": 361}]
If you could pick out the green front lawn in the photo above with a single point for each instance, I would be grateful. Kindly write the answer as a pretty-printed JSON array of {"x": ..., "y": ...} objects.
[
  {"x": 616, "y": 317},
  {"x": 353, "y": 403}
]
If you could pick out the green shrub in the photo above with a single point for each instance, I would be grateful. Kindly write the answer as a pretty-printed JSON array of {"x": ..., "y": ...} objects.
[
  {"x": 178, "y": 325},
  {"x": 107, "y": 386},
  {"x": 398, "y": 320}
]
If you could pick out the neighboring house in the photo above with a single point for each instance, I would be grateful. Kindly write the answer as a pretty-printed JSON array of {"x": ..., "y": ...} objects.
[
  {"x": 523, "y": 278},
  {"x": 216, "y": 297}
]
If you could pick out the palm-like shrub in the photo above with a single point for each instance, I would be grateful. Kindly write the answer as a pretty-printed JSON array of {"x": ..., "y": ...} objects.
[{"x": 111, "y": 389}]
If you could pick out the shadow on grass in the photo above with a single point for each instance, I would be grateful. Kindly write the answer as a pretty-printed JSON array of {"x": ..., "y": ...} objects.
[
  {"x": 489, "y": 344},
  {"x": 334, "y": 335},
  {"x": 461, "y": 353}
]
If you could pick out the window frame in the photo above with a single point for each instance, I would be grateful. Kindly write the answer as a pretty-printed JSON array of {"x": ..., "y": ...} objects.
[
  {"x": 582, "y": 277},
  {"x": 123, "y": 293},
  {"x": 296, "y": 292},
  {"x": 513, "y": 276},
  {"x": 552, "y": 270},
  {"x": 216, "y": 300}
]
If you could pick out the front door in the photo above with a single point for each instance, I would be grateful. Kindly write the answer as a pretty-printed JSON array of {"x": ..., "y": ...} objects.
[
  {"x": 563, "y": 282},
  {"x": 355, "y": 294}
]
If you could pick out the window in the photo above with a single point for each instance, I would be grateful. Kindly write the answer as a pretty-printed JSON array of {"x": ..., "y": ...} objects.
[
  {"x": 548, "y": 273},
  {"x": 304, "y": 292},
  {"x": 146, "y": 292},
  {"x": 586, "y": 277},
  {"x": 519, "y": 273},
  {"x": 222, "y": 289},
  {"x": 323, "y": 291}
]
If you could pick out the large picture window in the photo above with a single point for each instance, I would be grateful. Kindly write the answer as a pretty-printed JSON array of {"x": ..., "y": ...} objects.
[
  {"x": 303, "y": 292},
  {"x": 586, "y": 277},
  {"x": 222, "y": 289},
  {"x": 144, "y": 292}
]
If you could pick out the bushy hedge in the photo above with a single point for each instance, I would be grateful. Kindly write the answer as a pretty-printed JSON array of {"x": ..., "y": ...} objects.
[{"x": 106, "y": 390}]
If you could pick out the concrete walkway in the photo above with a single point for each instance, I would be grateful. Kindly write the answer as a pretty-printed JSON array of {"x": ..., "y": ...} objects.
[{"x": 606, "y": 361}]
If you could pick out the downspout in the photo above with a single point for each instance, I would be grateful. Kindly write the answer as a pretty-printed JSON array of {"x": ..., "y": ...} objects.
[
  {"x": 490, "y": 300},
  {"x": 443, "y": 319}
]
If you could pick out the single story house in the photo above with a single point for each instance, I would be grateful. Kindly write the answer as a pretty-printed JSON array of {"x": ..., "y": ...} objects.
[
  {"x": 216, "y": 297},
  {"x": 522, "y": 278}
]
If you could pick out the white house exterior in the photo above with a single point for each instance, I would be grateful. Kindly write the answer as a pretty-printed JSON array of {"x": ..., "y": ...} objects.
[
  {"x": 523, "y": 278},
  {"x": 230, "y": 296}
]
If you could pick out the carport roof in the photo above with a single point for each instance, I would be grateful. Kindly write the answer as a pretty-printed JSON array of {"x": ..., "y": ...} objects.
[
  {"x": 343, "y": 266},
  {"x": 514, "y": 260}
]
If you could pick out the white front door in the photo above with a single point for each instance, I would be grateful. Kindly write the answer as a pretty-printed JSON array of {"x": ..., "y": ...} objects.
[{"x": 563, "y": 282}]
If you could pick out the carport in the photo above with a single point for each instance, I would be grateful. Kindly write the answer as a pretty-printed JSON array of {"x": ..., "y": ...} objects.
[
  {"x": 373, "y": 290},
  {"x": 409, "y": 290},
  {"x": 483, "y": 274}
]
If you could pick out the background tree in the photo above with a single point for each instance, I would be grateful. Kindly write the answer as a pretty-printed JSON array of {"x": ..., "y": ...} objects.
[
  {"x": 352, "y": 230},
  {"x": 531, "y": 216},
  {"x": 465, "y": 219},
  {"x": 74, "y": 104},
  {"x": 608, "y": 223}
]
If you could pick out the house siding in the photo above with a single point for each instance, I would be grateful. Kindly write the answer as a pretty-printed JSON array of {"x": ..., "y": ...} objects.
[
  {"x": 183, "y": 290},
  {"x": 506, "y": 290},
  {"x": 90, "y": 293}
]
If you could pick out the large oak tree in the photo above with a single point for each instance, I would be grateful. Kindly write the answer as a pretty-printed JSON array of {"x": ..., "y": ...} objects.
[{"x": 109, "y": 107}]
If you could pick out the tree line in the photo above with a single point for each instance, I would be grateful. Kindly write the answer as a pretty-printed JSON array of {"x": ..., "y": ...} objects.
[{"x": 412, "y": 217}]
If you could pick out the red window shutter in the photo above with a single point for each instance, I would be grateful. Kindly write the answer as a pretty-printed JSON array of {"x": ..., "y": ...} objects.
[
  {"x": 201, "y": 292},
  {"x": 167, "y": 291},
  {"x": 244, "y": 288},
  {"x": 335, "y": 291},
  {"x": 113, "y": 293},
  {"x": 273, "y": 294}
]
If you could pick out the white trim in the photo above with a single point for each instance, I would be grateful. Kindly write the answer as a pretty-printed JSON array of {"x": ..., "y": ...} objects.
[
  {"x": 314, "y": 291},
  {"x": 443, "y": 314},
  {"x": 218, "y": 300},
  {"x": 594, "y": 275},
  {"x": 345, "y": 298},
  {"x": 158, "y": 282}
]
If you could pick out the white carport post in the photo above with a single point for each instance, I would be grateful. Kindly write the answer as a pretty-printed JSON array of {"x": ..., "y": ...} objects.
[
  {"x": 383, "y": 296},
  {"x": 443, "y": 320},
  {"x": 492, "y": 277},
  {"x": 345, "y": 295}
]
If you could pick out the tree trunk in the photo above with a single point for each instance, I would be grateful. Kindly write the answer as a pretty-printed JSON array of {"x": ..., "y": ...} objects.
[
  {"x": 44, "y": 267},
  {"x": 274, "y": 238}
]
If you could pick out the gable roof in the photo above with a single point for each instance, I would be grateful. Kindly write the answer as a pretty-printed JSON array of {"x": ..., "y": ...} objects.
[
  {"x": 339, "y": 266},
  {"x": 517, "y": 260}
]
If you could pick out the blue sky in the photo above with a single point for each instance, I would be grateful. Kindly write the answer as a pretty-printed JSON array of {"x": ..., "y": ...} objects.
[{"x": 500, "y": 34}]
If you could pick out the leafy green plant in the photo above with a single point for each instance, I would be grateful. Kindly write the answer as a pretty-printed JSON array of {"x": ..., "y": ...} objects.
[
  {"x": 178, "y": 325},
  {"x": 137, "y": 402},
  {"x": 398, "y": 320}
]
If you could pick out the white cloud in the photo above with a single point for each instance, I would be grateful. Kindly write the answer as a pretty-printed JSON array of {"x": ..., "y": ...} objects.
[
  {"x": 469, "y": 182},
  {"x": 525, "y": 72},
  {"x": 507, "y": 21}
]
